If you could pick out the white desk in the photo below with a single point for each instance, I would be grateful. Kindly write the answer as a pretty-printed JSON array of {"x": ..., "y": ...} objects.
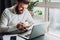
[
  {"x": 46, "y": 37},
  {"x": 7, "y": 37}
]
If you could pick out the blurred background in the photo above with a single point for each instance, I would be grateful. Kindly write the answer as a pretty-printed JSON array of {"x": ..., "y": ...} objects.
[{"x": 45, "y": 10}]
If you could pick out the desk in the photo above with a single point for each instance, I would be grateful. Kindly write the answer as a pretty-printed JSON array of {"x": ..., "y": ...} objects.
[
  {"x": 7, "y": 37},
  {"x": 47, "y": 37}
]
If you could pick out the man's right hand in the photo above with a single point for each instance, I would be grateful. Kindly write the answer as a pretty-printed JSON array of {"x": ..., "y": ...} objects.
[{"x": 21, "y": 26}]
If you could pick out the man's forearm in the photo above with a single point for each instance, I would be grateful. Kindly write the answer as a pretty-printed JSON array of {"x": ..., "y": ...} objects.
[
  {"x": 4, "y": 29},
  {"x": 7, "y": 28}
]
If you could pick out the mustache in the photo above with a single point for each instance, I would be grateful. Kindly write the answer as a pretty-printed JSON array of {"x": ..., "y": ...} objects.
[{"x": 20, "y": 10}]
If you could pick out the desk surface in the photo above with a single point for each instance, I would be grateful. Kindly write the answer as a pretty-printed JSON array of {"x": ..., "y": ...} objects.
[{"x": 47, "y": 37}]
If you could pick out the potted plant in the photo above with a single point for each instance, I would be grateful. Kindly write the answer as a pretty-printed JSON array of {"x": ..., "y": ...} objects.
[
  {"x": 32, "y": 5},
  {"x": 38, "y": 14}
]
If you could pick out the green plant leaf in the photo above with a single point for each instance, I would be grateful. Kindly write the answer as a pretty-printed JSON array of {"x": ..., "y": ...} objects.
[
  {"x": 32, "y": 4},
  {"x": 39, "y": 12}
]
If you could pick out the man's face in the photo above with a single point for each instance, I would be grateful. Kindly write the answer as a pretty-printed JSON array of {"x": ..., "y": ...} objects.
[{"x": 21, "y": 6}]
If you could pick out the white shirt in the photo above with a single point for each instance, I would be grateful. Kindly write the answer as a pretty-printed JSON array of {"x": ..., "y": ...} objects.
[{"x": 10, "y": 19}]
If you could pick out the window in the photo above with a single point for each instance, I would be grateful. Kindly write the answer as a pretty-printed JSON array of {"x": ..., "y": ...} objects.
[
  {"x": 55, "y": 0},
  {"x": 51, "y": 12},
  {"x": 39, "y": 0},
  {"x": 54, "y": 18}
]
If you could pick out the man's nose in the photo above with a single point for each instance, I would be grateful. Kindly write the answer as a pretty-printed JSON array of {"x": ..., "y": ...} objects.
[{"x": 21, "y": 8}]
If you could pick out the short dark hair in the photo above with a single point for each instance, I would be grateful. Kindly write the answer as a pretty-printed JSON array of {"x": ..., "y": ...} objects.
[{"x": 24, "y": 1}]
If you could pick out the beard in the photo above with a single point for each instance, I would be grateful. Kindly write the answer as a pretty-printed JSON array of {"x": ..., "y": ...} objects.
[{"x": 18, "y": 11}]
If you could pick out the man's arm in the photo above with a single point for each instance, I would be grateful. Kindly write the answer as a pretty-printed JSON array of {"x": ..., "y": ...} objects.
[{"x": 4, "y": 22}]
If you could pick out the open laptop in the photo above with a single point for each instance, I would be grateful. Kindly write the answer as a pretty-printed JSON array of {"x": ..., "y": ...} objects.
[{"x": 37, "y": 30}]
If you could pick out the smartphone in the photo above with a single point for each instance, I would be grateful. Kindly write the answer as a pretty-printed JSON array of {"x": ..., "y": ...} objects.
[{"x": 13, "y": 38}]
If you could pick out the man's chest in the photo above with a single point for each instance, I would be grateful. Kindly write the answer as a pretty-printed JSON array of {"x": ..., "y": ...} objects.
[{"x": 14, "y": 20}]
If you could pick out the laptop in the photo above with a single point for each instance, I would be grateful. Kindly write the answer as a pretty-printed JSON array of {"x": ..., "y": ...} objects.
[{"x": 36, "y": 31}]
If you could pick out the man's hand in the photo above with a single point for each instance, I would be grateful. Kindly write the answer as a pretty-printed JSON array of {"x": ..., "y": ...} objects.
[{"x": 21, "y": 26}]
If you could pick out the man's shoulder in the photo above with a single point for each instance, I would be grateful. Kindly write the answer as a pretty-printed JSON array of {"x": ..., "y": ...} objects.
[
  {"x": 10, "y": 8},
  {"x": 26, "y": 10},
  {"x": 7, "y": 12}
]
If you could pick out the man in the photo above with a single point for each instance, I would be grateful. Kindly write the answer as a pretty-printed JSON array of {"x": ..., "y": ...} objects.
[{"x": 14, "y": 18}]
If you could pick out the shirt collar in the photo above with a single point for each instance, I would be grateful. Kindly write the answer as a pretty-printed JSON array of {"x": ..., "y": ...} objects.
[{"x": 13, "y": 9}]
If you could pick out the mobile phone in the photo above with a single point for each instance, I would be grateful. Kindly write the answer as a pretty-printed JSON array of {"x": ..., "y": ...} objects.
[{"x": 13, "y": 38}]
